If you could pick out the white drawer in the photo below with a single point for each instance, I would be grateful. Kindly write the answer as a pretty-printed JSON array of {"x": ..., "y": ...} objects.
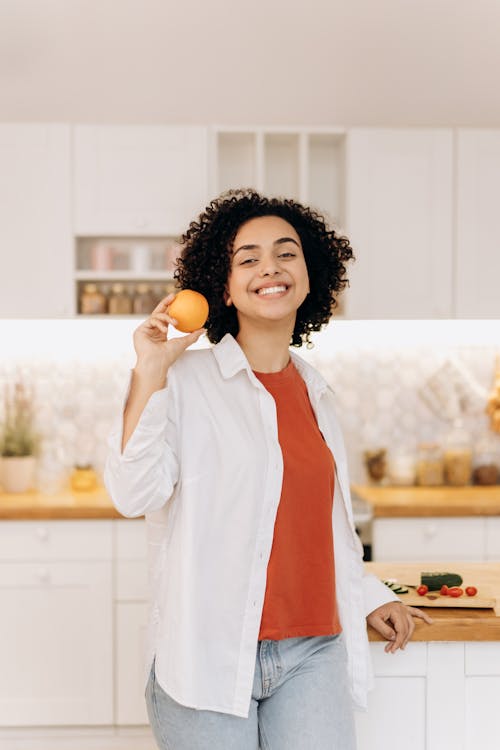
[
  {"x": 130, "y": 539},
  {"x": 131, "y": 582},
  {"x": 56, "y": 540},
  {"x": 415, "y": 539},
  {"x": 493, "y": 538}
]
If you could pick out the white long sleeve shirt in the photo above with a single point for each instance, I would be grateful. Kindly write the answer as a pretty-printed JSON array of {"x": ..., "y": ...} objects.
[{"x": 205, "y": 467}]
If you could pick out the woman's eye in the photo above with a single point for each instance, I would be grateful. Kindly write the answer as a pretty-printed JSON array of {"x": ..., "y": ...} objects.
[
  {"x": 292, "y": 255},
  {"x": 246, "y": 261}
]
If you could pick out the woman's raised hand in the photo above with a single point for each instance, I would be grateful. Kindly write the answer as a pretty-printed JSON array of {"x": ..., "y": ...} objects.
[{"x": 151, "y": 340}]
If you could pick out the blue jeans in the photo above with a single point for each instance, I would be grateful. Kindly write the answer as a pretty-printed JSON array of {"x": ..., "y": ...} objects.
[{"x": 300, "y": 701}]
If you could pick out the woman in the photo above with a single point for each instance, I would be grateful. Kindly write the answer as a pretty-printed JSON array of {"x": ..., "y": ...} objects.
[{"x": 259, "y": 602}]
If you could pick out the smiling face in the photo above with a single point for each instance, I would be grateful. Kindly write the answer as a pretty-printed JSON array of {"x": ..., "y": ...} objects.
[{"x": 268, "y": 279}]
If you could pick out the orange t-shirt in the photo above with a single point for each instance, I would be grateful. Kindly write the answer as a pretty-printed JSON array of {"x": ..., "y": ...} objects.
[{"x": 300, "y": 588}]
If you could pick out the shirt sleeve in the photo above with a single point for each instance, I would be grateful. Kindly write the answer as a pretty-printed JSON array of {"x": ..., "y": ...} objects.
[
  {"x": 376, "y": 593},
  {"x": 143, "y": 477}
]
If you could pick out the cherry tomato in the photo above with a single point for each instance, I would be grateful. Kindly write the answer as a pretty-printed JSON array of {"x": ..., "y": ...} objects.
[
  {"x": 444, "y": 590},
  {"x": 422, "y": 590},
  {"x": 455, "y": 591},
  {"x": 471, "y": 591}
]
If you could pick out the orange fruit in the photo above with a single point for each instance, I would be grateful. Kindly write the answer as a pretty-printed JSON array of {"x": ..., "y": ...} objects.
[{"x": 190, "y": 309}]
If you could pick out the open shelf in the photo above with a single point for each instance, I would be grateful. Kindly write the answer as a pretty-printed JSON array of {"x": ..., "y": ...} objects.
[
  {"x": 282, "y": 165},
  {"x": 304, "y": 164}
]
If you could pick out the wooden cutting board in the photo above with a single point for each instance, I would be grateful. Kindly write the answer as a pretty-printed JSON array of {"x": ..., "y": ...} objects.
[{"x": 480, "y": 601}]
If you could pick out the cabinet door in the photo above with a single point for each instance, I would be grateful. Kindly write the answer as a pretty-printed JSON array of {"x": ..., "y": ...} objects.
[
  {"x": 415, "y": 539},
  {"x": 135, "y": 180},
  {"x": 399, "y": 221},
  {"x": 35, "y": 226},
  {"x": 478, "y": 253},
  {"x": 56, "y": 644},
  {"x": 131, "y": 625}
]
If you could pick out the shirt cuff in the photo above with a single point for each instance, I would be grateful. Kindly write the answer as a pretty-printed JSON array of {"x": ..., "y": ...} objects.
[{"x": 376, "y": 593}]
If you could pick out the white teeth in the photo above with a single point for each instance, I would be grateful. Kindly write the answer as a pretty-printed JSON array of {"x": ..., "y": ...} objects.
[{"x": 272, "y": 290}]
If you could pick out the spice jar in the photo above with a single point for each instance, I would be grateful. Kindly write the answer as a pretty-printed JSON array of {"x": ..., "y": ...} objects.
[
  {"x": 430, "y": 465},
  {"x": 375, "y": 462},
  {"x": 144, "y": 300},
  {"x": 486, "y": 469},
  {"x": 92, "y": 301},
  {"x": 120, "y": 303},
  {"x": 458, "y": 457}
]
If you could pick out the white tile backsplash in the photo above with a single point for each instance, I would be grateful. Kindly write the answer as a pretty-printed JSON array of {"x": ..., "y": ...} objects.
[{"x": 376, "y": 386}]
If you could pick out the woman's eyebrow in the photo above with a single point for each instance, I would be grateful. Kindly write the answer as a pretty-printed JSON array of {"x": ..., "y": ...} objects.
[{"x": 281, "y": 241}]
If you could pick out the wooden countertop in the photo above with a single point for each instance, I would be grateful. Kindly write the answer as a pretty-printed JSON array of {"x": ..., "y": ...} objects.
[
  {"x": 66, "y": 504},
  {"x": 450, "y": 624},
  {"x": 411, "y": 502}
]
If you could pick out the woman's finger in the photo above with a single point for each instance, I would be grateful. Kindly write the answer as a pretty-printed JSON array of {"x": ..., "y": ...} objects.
[
  {"x": 155, "y": 323},
  {"x": 400, "y": 623},
  {"x": 164, "y": 303},
  {"x": 419, "y": 613},
  {"x": 411, "y": 628},
  {"x": 165, "y": 317}
]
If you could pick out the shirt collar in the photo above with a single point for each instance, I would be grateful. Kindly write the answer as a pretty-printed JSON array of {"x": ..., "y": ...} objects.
[{"x": 231, "y": 359}]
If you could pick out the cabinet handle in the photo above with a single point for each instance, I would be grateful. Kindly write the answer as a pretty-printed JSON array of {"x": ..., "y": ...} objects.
[
  {"x": 42, "y": 533},
  {"x": 430, "y": 530}
]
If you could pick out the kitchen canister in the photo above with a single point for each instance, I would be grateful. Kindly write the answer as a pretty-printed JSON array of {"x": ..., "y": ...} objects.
[{"x": 141, "y": 258}]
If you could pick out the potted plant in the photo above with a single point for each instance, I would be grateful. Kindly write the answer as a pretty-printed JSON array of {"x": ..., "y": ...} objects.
[{"x": 19, "y": 441}]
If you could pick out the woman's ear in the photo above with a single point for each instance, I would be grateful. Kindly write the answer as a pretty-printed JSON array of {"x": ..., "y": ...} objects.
[{"x": 227, "y": 298}]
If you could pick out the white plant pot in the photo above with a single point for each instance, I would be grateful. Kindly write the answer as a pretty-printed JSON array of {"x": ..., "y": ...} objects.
[{"x": 18, "y": 473}]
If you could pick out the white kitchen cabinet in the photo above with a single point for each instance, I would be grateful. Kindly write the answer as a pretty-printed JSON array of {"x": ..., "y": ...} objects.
[
  {"x": 131, "y": 617},
  {"x": 399, "y": 218},
  {"x": 493, "y": 539},
  {"x": 131, "y": 624},
  {"x": 138, "y": 180},
  {"x": 56, "y": 624},
  {"x": 433, "y": 539},
  {"x": 35, "y": 227},
  {"x": 478, "y": 250}
]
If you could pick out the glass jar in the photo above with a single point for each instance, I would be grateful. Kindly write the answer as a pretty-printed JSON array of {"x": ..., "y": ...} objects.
[
  {"x": 83, "y": 479},
  {"x": 92, "y": 301},
  {"x": 486, "y": 463},
  {"x": 101, "y": 257},
  {"x": 458, "y": 457},
  {"x": 430, "y": 465},
  {"x": 375, "y": 463},
  {"x": 401, "y": 468},
  {"x": 120, "y": 303},
  {"x": 144, "y": 300},
  {"x": 141, "y": 258}
]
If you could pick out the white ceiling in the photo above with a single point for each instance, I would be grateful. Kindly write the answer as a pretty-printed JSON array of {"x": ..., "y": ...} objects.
[{"x": 343, "y": 62}]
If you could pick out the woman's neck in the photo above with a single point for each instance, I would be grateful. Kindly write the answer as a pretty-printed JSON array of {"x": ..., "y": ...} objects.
[{"x": 266, "y": 351}]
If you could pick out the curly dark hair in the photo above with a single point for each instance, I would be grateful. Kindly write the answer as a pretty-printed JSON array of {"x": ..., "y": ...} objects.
[{"x": 204, "y": 262}]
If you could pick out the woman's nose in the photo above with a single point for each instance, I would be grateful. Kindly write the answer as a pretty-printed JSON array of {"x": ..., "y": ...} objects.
[{"x": 269, "y": 267}]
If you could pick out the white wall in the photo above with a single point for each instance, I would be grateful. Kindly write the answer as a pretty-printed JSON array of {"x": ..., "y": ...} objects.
[{"x": 344, "y": 62}]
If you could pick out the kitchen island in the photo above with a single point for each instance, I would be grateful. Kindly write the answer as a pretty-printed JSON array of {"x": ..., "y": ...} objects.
[{"x": 443, "y": 691}]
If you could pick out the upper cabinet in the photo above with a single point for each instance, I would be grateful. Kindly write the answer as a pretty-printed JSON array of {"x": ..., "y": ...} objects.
[
  {"x": 35, "y": 226},
  {"x": 478, "y": 209},
  {"x": 138, "y": 180},
  {"x": 399, "y": 218}
]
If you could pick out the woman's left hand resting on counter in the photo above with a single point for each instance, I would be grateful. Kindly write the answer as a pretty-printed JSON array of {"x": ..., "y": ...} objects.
[{"x": 394, "y": 621}]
